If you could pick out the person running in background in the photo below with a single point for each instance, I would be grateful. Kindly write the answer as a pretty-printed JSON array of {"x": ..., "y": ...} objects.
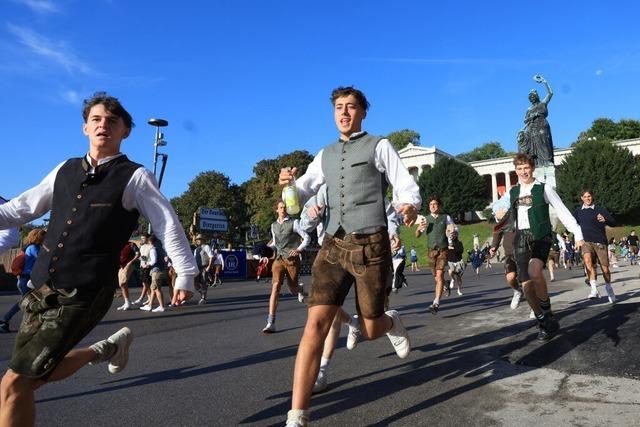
[
  {"x": 435, "y": 226},
  {"x": 593, "y": 220},
  {"x": 477, "y": 259},
  {"x": 632, "y": 240},
  {"x": 399, "y": 260},
  {"x": 552, "y": 259},
  {"x": 568, "y": 252},
  {"x": 32, "y": 242},
  {"x": 288, "y": 240},
  {"x": 218, "y": 266},
  {"x": 158, "y": 270},
  {"x": 204, "y": 260},
  {"x": 129, "y": 254},
  {"x": 456, "y": 264},
  {"x": 145, "y": 270},
  {"x": 505, "y": 231},
  {"x": 413, "y": 254}
]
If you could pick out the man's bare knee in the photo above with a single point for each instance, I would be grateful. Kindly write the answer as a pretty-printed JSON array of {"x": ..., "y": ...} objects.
[{"x": 14, "y": 384}]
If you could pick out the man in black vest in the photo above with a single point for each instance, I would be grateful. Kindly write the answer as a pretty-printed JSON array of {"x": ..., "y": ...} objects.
[
  {"x": 95, "y": 202},
  {"x": 356, "y": 249}
]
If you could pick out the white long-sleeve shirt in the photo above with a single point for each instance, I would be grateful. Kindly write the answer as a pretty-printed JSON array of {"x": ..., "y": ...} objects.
[
  {"x": 141, "y": 193},
  {"x": 552, "y": 198},
  {"x": 8, "y": 238},
  {"x": 387, "y": 161}
]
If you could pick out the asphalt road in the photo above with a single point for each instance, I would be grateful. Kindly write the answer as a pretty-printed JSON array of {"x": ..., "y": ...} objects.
[{"x": 476, "y": 363}]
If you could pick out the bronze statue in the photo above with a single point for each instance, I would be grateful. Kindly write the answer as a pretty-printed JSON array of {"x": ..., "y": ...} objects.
[{"x": 535, "y": 138}]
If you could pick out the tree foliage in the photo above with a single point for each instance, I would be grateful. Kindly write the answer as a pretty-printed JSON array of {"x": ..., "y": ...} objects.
[
  {"x": 604, "y": 129},
  {"x": 263, "y": 190},
  {"x": 609, "y": 170},
  {"x": 457, "y": 184},
  {"x": 490, "y": 150},
  {"x": 213, "y": 189},
  {"x": 401, "y": 138}
]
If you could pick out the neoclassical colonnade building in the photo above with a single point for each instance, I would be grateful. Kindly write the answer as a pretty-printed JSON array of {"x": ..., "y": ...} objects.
[{"x": 498, "y": 174}]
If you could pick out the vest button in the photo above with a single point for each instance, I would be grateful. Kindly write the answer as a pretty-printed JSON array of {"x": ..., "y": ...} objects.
[
  {"x": 55, "y": 258},
  {"x": 52, "y": 270},
  {"x": 69, "y": 222},
  {"x": 61, "y": 245},
  {"x": 65, "y": 233},
  {"x": 84, "y": 185},
  {"x": 79, "y": 196},
  {"x": 74, "y": 209}
]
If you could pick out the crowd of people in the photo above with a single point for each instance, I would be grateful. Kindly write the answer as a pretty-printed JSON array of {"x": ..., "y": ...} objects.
[{"x": 95, "y": 201}]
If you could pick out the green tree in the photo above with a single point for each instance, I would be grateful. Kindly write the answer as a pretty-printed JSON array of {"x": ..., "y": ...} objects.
[
  {"x": 603, "y": 129},
  {"x": 490, "y": 150},
  {"x": 213, "y": 189},
  {"x": 609, "y": 170},
  {"x": 401, "y": 138},
  {"x": 263, "y": 190},
  {"x": 457, "y": 184}
]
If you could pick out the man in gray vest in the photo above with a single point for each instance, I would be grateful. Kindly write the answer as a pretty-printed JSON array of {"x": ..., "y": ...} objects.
[
  {"x": 285, "y": 240},
  {"x": 356, "y": 249},
  {"x": 435, "y": 225},
  {"x": 95, "y": 202}
]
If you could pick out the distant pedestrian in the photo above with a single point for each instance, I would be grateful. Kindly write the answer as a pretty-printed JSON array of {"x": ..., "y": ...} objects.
[
  {"x": 33, "y": 242},
  {"x": 129, "y": 254},
  {"x": 413, "y": 254},
  {"x": 218, "y": 266},
  {"x": 477, "y": 259},
  {"x": 158, "y": 269},
  {"x": 632, "y": 240},
  {"x": 204, "y": 260},
  {"x": 145, "y": 270},
  {"x": 455, "y": 261}
]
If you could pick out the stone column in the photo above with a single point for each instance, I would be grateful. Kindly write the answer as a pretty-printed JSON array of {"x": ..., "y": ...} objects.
[{"x": 494, "y": 188}]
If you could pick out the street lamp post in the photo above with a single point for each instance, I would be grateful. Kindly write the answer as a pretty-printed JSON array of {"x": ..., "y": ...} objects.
[{"x": 158, "y": 142}]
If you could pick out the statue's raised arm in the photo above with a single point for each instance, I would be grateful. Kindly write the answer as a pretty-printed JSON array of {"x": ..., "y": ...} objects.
[{"x": 538, "y": 78}]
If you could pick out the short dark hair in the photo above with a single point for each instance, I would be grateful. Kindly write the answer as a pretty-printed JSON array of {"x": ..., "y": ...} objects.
[
  {"x": 436, "y": 198},
  {"x": 522, "y": 158},
  {"x": 111, "y": 104},
  {"x": 586, "y": 190},
  {"x": 350, "y": 90}
]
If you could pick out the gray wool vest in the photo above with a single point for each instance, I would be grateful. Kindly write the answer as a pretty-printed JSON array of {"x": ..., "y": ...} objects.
[
  {"x": 355, "y": 188},
  {"x": 286, "y": 239}
]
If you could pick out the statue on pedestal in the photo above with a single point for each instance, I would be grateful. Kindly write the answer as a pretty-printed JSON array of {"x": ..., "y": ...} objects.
[{"x": 535, "y": 138}]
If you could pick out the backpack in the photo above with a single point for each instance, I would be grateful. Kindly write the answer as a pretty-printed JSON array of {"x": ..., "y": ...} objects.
[{"x": 17, "y": 265}]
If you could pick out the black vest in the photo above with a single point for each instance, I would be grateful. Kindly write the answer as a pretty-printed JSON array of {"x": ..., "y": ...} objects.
[{"x": 88, "y": 225}]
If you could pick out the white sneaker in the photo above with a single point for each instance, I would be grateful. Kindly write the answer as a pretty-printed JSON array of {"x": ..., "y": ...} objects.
[
  {"x": 202, "y": 301},
  {"x": 459, "y": 291},
  {"x": 145, "y": 308},
  {"x": 297, "y": 418},
  {"x": 321, "y": 382},
  {"x": 532, "y": 315},
  {"x": 610, "y": 293},
  {"x": 301, "y": 294},
  {"x": 124, "y": 307},
  {"x": 158, "y": 309},
  {"x": 398, "y": 335},
  {"x": 515, "y": 301},
  {"x": 269, "y": 329},
  {"x": 594, "y": 294},
  {"x": 353, "y": 336}
]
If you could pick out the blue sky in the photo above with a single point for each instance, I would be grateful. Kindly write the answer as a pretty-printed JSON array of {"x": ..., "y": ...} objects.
[{"x": 240, "y": 81}]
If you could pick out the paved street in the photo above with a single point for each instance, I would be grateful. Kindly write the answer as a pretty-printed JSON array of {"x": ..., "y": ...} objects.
[{"x": 476, "y": 363}]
